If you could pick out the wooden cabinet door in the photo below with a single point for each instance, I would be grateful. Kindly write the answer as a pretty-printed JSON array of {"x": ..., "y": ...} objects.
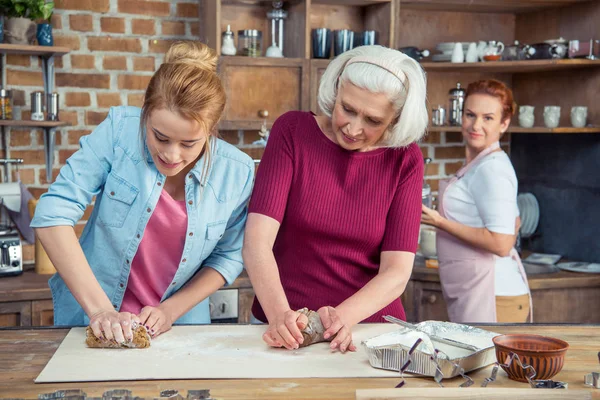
[
  {"x": 16, "y": 313},
  {"x": 256, "y": 84},
  {"x": 42, "y": 313},
  {"x": 317, "y": 69},
  {"x": 245, "y": 300}
]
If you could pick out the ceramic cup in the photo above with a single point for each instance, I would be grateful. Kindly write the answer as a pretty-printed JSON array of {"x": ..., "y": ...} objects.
[
  {"x": 551, "y": 116},
  {"x": 526, "y": 117},
  {"x": 578, "y": 116}
]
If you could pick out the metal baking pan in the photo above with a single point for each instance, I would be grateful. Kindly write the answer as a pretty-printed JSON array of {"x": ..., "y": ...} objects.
[{"x": 390, "y": 350}]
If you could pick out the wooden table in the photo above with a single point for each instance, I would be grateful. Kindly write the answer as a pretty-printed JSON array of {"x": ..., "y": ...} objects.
[{"x": 25, "y": 352}]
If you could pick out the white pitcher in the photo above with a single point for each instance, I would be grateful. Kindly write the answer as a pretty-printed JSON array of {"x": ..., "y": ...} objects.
[
  {"x": 579, "y": 116},
  {"x": 526, "y": 117}
]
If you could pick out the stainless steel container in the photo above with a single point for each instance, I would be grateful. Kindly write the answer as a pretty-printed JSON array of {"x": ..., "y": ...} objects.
[
  {"x": 438, "y": 116},
  {"x": 455, "y": 110},
  {"x": 52, "y": 106},
  {"x": 37, "y": 106}
]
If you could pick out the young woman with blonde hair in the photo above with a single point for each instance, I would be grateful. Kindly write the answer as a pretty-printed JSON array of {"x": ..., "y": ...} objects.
[
  {"x": 334, "y": 218},
  {"x": 167, "y": 226}
]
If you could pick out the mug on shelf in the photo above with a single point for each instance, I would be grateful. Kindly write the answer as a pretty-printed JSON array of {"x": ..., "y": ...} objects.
[
  {"x": 526, "y": 117},
  {"x": 579, "y": 116},
  {"x": 551, "y": 116}
]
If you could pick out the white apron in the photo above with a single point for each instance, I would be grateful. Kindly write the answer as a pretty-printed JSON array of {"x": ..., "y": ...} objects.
[{"x": 467, "y": 273}]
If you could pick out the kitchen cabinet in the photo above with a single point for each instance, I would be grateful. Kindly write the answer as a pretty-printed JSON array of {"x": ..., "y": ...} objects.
[
  {"x": 17, "y": 313},
  {"x": 562, "y": 297},
  {"x": 276, "y": 85}
]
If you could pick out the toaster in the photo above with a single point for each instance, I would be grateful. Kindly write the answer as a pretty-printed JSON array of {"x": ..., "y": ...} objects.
[{"x": 11, "y": 254}]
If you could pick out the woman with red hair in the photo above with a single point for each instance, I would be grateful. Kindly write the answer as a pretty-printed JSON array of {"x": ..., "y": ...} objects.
[{"x": 481, "y": 274}]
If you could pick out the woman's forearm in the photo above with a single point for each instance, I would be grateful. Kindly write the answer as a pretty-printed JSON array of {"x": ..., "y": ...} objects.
[
  {"x": 263, "y": 273},
  {"x": 65, "y": 252},
  {"x": 206, "y": 282},
  {"x": 497, "y": 243},
  {"x": 387, "y": 286}
]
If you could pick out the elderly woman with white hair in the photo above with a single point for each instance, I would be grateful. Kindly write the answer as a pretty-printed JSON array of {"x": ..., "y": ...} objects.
[{"x": 334, "y": 216}]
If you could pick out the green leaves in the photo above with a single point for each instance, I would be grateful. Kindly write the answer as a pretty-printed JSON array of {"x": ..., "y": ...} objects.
[{"x": 32, "y": 9}]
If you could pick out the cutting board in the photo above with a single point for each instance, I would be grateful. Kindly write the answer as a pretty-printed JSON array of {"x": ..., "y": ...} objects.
[
  {"x": 472, "y": 393},
  {"x": 210, "y": 352}
]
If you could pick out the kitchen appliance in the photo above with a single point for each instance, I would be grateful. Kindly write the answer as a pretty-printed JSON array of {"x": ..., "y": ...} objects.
[
  {"x": 11, "y": 255},
  {"x": 455, "y": 109},
  {"x": 277, "y": 15}
]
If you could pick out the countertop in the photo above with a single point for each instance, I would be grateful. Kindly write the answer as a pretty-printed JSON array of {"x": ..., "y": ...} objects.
[{"x": 25, "y": 352}]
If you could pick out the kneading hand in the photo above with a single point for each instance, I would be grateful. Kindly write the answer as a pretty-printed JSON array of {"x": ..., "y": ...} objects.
[
  {"x": 284, "y": 330},
  {"x": 334, "y": 325},
  {"x": 111, "y": 324},
  {"x": 156, "y": 320}
]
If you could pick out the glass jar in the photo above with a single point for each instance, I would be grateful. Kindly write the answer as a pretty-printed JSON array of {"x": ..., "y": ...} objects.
[
  {"x": 250, "y": 43},
  {"x": 6, "y": 104}
]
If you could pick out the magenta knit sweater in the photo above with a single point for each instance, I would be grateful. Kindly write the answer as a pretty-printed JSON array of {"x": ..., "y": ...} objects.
[{"x": 338, "y": 211}]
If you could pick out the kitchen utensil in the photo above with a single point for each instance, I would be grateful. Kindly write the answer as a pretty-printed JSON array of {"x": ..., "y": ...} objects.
[
  {"x": 366, "y": 38},
  {"x": 540, "y": 258},
  {"x": 579, "y": 116},
  {"x": 414, "y": 52},
  {"x": 458, "y": 55},
  {"x": 493, "y": 51},
  {"x": 52, "y": 106},
  {"x": 321, "y": 42},
  {"x": 551, "y": 116},
  {"x": 427, "y": 243},
  {"x": 37, "y": 106},
  {"x": 438, "y": 116},
  {"x": 227, "y": 43},
  {"x": 590, "y": 268},
  {"x": 249, "y": 43},
  {"x": 545, "y": 354},
  {"x": 471, "y": 55},
  {"x": 436, "y": 338},
  {"x": 526, "y": 116},
  {"x": 343, "y": 40},
  {"x": 455, "y": 109}
]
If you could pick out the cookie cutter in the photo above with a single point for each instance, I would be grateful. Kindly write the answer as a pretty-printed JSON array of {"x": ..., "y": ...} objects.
[
  {"x": 117, "y": 394},
  {"x": 457, "y": 369},
  {"x": 534, "y": 383},
  {"x": 69, "y": 394},
  {"x": 405, "y": 366},
  {"x": 593, "y": 378}
]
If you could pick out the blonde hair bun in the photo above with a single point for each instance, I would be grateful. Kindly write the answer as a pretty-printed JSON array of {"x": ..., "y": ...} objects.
[{"x": 193, "y": 53}]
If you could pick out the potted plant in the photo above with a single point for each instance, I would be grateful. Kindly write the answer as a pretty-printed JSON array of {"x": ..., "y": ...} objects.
[
  {"x": 41, "y": 11},
  {"x": 20, "y": 15}
]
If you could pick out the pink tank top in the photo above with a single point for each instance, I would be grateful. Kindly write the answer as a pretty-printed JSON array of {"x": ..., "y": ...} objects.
[{"x": 158, "y": 255}]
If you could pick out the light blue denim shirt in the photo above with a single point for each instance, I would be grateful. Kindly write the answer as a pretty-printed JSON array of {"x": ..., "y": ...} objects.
[{"x": 113, "y": 165}]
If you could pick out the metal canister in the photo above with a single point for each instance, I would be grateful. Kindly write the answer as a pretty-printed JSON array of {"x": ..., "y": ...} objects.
[
  {"x": 6, "y": 104},
  {"x": 438, "y": 116},
  {"x": 52, "y": 106},
  {"x": 37, "y": 106},
  {"x": 455, "y": 109}
]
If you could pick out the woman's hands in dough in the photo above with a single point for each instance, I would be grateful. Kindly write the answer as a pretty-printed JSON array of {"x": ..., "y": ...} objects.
[
  {"x": 156, "y": 320},
  {"x": 111, "y": 324},
  {"x": 284, "y": 330},
  {"x": 334, "y": 326},
  {"x": 429, "y": 216}
]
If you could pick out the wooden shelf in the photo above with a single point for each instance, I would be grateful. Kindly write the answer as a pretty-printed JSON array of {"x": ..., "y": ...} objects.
[
  {"x": 511, "y": 66},
  {"x": 517, "y": 129},
  {"x": 243, "y": 125},
  {"x": 262, "y": 61},
  {"x": 487, "y": 6},
  {"x": 33, "y": 50},
  {"x": 33, "y": 124}
]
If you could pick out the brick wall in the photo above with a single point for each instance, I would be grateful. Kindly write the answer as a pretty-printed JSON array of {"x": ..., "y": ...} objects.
[{"x": 115, "y": 47}]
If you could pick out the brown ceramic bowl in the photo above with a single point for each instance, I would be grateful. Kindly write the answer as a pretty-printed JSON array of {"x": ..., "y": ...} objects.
[{"x": 545, "y": 354}]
